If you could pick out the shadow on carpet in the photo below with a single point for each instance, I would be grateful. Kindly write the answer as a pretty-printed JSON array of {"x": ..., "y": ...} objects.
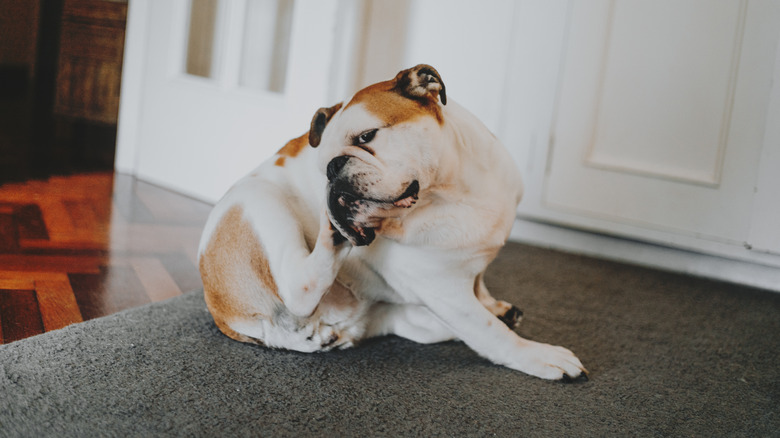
[{"x": 669, "y": 355}]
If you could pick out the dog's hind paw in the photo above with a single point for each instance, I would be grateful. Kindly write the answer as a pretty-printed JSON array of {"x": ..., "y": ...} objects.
[
  {"x": 582, "y": 378},
  {"x": 512, "y": 317}
]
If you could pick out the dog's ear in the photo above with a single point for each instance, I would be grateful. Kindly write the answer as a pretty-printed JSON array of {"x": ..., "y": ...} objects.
[
  {"x": 319, "y": 121},
  {"x": 421, "y": 82}
]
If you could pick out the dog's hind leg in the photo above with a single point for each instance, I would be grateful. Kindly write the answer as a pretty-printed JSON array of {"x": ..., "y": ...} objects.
[
  {"x": 449, "y": 294},
  {"x": 508, "y": 313},
  {"x": 411, "y": 321}
]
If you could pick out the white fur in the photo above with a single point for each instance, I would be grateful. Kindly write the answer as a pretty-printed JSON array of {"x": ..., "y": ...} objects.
[{"x": 421, "y": 277}]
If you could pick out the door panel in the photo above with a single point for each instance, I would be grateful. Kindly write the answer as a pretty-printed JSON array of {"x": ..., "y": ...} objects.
[
  {"x": 661, "y": 114},
  {"x": 666, "y": 86}
]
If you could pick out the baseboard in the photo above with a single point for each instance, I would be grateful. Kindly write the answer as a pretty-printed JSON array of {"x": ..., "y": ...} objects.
[{"x": 645, "y": 254}]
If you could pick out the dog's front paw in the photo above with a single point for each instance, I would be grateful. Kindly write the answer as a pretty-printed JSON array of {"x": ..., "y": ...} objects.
[
  {"x": 392, "y": 229},
  {"x": 549, "y": 362},
  {"x": 329, "y": 234},
  {"x": 337, "y": 238}
]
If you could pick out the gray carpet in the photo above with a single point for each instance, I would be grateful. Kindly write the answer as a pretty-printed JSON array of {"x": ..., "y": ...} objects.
[{"x": 669, "y": 355}]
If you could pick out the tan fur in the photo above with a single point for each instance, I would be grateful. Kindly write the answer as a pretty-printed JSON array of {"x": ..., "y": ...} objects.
[
  {"x": 384, "y": 101},
  {"x": 292, "y": 149},
  {"x": 237, "y": 279}
]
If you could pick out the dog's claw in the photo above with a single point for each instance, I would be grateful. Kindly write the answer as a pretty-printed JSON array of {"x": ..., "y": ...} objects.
[
  {"x": 330, "y": 341},
  {"x": 512, "y": 317},
  {"x": 582, "y": 378},
  {"x": 336, "y": 236}
]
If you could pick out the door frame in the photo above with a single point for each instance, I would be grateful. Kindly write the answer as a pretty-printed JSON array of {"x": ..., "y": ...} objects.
[{"x": 130, "y": 103}]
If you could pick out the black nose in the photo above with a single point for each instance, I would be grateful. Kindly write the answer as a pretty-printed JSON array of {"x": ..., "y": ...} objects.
[{"x": 335, "y": 166}]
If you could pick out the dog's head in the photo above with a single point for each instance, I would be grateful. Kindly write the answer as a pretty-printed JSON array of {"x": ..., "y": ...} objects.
[{"x": 380, "y": 150}]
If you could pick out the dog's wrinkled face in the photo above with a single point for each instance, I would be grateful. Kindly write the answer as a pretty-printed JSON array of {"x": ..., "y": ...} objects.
[{"x": 380, "y": 151}]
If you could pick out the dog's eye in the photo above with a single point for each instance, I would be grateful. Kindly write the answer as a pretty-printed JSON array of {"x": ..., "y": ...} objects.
[{"x": 365, "y": 137}]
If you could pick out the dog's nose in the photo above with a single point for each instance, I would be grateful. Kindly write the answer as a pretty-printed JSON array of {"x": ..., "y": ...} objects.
[{"x": 335, "y": 166}]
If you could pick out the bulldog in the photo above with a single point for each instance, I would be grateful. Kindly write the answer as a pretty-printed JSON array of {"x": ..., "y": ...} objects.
[{"x": 381, "y": 219}]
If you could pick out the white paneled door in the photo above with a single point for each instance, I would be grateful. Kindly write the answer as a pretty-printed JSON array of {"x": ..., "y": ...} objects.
[
  {"x": 216, "y": 86},
  {"x": 662, "y": 114}
]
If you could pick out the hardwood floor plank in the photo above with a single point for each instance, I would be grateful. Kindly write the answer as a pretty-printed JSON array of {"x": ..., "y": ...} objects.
[
  {"x": 82, "y": 215},
  {"x": 182, "y": 271},
  {"x": 191, "y": 251},
  {"x": 158, "y": 283},
  {"x": 56, "y": 217},
  {"x": 154, "y": 238},
  {"x": 17, "y": 283},
  {"x": 115, "y": 288},
  {"x": 169, "y": 207},
  {"x": 30, "y": 276},
  {"x": 89, "y": 295},
  {"x": 19, "y": 314},
  {"x": 9, "y": 239},
  {"x": 86, "y": 185},
  {"x": 30, "y": 222},
  {"x": 75, "y": 243},
  {"x": 56, "y": 263},
  {"x": 57, "y": 302},
  {"x": 88, "y": 245},
  {"x": 128, "y": 203}
]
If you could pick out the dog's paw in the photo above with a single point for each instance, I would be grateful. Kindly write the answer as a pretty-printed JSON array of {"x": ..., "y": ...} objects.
[
  {"x": 392, "y": 229},
  {"x": 512, "y": 317},
  {"x": 336, "y": 237},
  {"x": 326, "y": 338},
  {"x": 329, "y": 234},
  {"x": 549, "y": 362}
]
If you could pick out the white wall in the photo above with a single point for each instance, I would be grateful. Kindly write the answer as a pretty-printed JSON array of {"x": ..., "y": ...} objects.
[{"x": 469, "y": 43}]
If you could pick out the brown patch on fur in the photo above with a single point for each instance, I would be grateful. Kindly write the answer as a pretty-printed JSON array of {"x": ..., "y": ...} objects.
[
  {"x": 232, "y": 334},
  {"x": 319, "y": 122},
  {"x": 292, "y": 148},
  {"x": 237, "y": 280},
  {"x": 385, "y": 101}
]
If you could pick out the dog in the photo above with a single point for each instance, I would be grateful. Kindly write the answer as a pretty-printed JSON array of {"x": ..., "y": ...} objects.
[{"x": 381, "y": 219}]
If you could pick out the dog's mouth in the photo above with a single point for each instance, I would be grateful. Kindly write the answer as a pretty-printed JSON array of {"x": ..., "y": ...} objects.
[
  {"x": 352, "y": 216},
  {"x": 341, "y": 206}
]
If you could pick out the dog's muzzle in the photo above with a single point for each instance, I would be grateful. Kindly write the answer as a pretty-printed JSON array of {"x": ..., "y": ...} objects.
[{"x": 345, "y": 202}]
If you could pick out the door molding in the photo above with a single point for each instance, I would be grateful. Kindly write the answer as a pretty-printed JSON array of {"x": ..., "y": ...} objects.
[
  {"x": 130, "y": 102},
  {"x": 601, "y": 159}
]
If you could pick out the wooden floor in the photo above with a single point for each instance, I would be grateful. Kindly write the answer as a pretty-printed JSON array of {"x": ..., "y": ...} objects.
[{"x": 79, "y": 247}]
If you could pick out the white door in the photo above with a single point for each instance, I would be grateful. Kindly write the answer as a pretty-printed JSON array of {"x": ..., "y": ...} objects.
[
  {"x": 213, "y": 87},
  {"x": 661, "y": 118}
]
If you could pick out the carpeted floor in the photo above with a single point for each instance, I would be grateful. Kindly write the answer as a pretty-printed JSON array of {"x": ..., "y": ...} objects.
[{"x": 669, "y": 355}]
